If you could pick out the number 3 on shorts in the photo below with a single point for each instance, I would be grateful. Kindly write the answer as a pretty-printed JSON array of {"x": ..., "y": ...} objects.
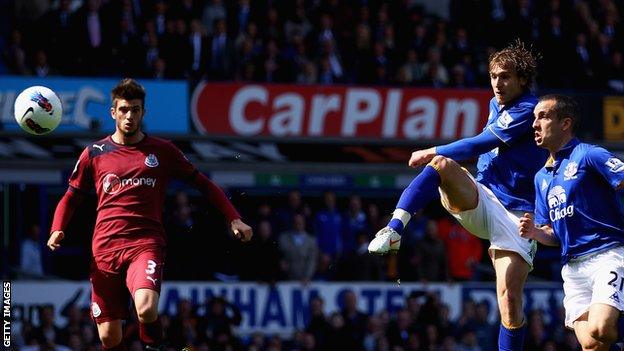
[{"x": 151, "y": 268}]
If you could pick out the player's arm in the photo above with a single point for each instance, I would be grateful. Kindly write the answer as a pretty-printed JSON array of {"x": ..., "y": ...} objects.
[
  {"x": 543, "y": 234},
  {"x": 79, "y": 180},
  {"x": 610, "y": 167},
  {"x": 459, "y": 150},
  {"x": 183, "y": 169},
  {"x": 62, "y": 215},
  {"x": 511, "y": 125}
]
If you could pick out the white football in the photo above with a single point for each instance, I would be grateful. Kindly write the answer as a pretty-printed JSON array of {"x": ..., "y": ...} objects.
[{"x": 38, "y": 110}]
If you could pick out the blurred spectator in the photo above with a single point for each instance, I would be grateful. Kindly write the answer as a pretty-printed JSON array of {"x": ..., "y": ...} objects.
[
  {"x": 182, "y": 331},
  {"x": 463, "y": 250},
  {"x": 328, "y": 227},
  {"x": 355, "y": 222},
  {"x": 299, "y": 251},
  {"x": 536, "y": 334},
  {"x": 360, "y": 265},
  {"x": 92, "y": 45},
  {"x": 264, "y": 255},
  {"x": 399, "y": 330},
  {"x": 30, "y": 253},
  {"x": 15, "y": 55},
  {"x": 354, "y": 320},
  {"x": 221, "y": 52},
  {"x": 318, "y": 324},
  {"x": 616, "y": 72},
  {"x": 199, "y": 49},
  {"x": 216, "y": 326},
  {"x": 483, "y": 329},
  {"x": 47, "y": 332},
  {"x": 295, "y": 205},
  {"x": 214, "y": 10},
  {"x": 433, "y": 262},
  {"x": 469, "y": 342}
]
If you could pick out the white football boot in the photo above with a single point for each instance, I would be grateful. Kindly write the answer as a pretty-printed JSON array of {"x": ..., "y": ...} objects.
[{"x": 386, "y": 240}]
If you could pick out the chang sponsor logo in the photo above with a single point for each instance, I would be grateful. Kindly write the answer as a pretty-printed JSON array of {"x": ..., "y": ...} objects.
[
  {"x": 112, "y": 184},
  {"x": 557, "y": 203}
]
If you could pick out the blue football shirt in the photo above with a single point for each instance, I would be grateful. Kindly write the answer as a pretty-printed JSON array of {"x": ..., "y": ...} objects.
[
  {"x": 576, "y": 196},
  {"x": 508, "y": 170}
]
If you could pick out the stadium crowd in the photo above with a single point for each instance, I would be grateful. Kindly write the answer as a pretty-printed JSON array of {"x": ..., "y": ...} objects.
[
  {"x": 312, "y": 42},
  {"x": 422, "y": 324}
]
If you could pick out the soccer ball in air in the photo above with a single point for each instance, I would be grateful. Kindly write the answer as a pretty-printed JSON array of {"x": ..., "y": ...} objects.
[{"x": 38, "y": 110}]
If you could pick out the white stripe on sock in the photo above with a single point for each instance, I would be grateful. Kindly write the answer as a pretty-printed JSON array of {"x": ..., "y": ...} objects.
[{"x": 402, "y": 216}]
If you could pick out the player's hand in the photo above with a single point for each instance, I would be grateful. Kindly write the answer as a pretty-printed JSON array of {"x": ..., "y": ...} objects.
[
  {"x": 420, "y": 157},
  {"x": 241, "y": 230},
  {"x": 55, "y": 239},
  {"x": 527, "y": 227}
]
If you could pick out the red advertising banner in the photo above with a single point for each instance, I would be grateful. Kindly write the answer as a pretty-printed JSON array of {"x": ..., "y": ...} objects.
[{"x": 338, "y": 111}]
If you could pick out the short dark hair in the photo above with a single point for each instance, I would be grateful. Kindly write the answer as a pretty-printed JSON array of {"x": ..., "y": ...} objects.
[
  {"x": 565, "y": 106},
  {"x": 128, "y": 89},
  {"x": 518, "y": 57}
]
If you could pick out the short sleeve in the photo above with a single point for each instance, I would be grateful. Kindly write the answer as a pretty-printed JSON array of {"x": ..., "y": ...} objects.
[
  {"x": 541, "y": 210},
  {"x": 513, "y": 122},
  {"x": 81, "y": 178},
  {"x": 181, "y": 167},
  {"x": 605, "y": 163}
]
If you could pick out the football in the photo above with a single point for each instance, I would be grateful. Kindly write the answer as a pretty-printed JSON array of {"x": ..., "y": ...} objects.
[{"x": 38, "y": 110}]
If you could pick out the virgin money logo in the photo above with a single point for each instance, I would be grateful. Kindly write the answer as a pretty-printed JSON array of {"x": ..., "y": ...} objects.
[{"x": 112, "y": 184}]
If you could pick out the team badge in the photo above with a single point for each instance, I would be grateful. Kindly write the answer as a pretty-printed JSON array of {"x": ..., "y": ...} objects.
[
  {"x": 615, "y": 165},
  {"x": 95, "y": 309},
  {"x": 151, "y": 161},
  {"x": 570, "y": 171},
  {"x": 504, "y": 120}
]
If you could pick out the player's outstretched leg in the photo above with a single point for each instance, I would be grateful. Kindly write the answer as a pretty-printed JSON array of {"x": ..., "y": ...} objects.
[{"x": 422, "y": 190}]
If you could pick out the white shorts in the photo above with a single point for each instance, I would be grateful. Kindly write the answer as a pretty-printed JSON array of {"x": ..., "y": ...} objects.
[
  {"x": 490, "y": 220},
  {"x": 595, "y": 278}
]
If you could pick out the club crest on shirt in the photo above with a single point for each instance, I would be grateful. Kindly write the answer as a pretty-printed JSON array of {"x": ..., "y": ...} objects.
[
  {"x": 151, "y": 161},
  {"x": 95, "y": 310},
  {"x": 615, "y": 165},
  {"x": 570, "y": 171},
  {"x": 504, "y": 120}
]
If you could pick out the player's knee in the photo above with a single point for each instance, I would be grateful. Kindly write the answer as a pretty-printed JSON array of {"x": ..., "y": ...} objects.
[
  {"x": 510, "y": 299},
  {"x": 147, "y": 313},
  {"x": 440, "y": 162},
  {"x": 110, "y": 337},
  {"x": 603, "y": 332},
  {"x": 589, "y": 344}
]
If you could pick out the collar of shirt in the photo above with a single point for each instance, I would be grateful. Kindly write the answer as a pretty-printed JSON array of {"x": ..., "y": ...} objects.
[{"x": 561, "y": 154}]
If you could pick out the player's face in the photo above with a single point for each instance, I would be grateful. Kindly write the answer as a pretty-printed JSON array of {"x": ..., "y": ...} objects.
[
  {"x": 547, "y": 131},
  {"x": 506, "y": 84},
  {"x": 128, "y": 115}
]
